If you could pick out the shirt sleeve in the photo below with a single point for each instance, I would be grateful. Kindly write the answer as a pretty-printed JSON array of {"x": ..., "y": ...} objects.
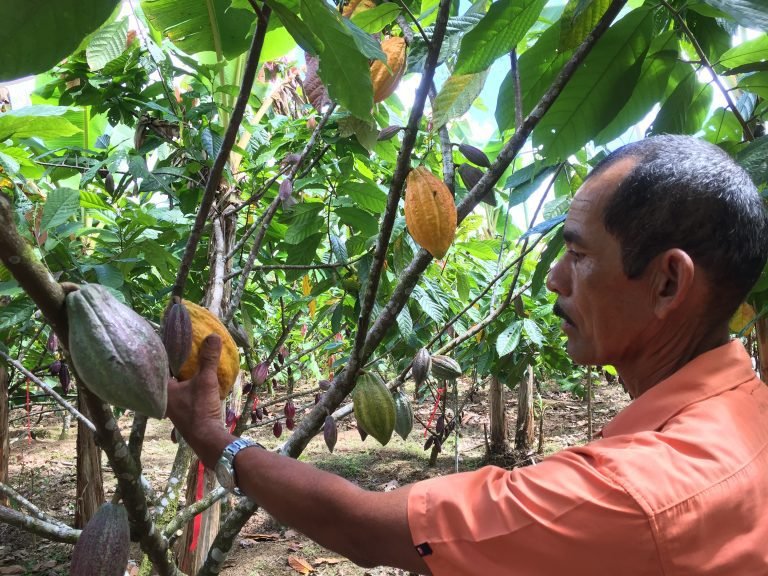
[{"x": 562, "y": 516}]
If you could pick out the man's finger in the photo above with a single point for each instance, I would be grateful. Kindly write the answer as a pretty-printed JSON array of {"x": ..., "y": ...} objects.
[{"x": 208, "y": 356}]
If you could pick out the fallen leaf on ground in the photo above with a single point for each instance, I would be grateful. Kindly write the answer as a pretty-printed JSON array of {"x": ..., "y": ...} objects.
[
  {"x": 319, "y": 561},
  {"x": 300, "y": 565}
]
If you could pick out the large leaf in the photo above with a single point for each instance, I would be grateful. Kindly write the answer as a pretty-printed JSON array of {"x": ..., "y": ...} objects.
[
  {"x": 746, "y": 57},
  {"x": 106, "y": 44},
  {"x": 756, "y": 83},
  {"x": 37, "y": 34},
  {"x": 343, "y": 69},
  {"x": 455, "y": 30},
  {"x": 496, "y": 34},
  {"x": 61, "y": 205},
  {"x": 749, "y": 13},
  {"x": 685, "y": 109},
  {"x": 365, "y": 195},
  {"x": 754, "y": 159},
  {"x": 456, "y": 97},
  {"x": 375, "y": 19},
  {"x": 553, "y": 248},
  {"x": 599, "y": 88},
  {"x": 36, "y": 122},
  {"x": 580, "y": 17},
  {"x": 301, "y": 32},
  {"x": 509, "y": 339},
  {"x": 201, "y": 25}
]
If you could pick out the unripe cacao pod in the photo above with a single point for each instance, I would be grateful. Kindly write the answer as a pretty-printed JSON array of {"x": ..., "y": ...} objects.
[
  {"x": 445, "y": 367},
  {"x": 53, "y": 342},
  {"x": 204, "y": 323},
  {"x": 104, "y": 544},
  {"x": 403, "y": 415},
  {"x": 64, "y": 377},
  {"x": 177, "y": 335},
  {"x": 116, "y": 352},
  {"x": 422, "y": 363},
  {"x": 430, "y": 211},
  {"x": 389, "y": 132},
  {"x": 475, "y": 155},
  {"x": 54, "y": 368},
  {"x": 386, "y": 77},
  {"x": 471, "y": 175},
  {"x": 374, "y": 407},
  {"x": 330, "y": 434}
]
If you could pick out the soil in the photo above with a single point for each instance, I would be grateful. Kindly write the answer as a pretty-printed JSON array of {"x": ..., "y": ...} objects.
[{"x": 42, "y": 469}]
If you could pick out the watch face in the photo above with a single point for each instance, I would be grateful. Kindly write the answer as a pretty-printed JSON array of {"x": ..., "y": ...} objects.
[{"x": 225, "y": 476}]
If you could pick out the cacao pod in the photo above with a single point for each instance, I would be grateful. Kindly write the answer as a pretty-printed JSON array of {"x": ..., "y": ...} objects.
[
  {"x": 289, "y": 409},
  {"x": 259, "y": 373},
  {"x": 286, "y": 189},
  {"x": 362, "y": 432},
  {"x": 290, "y": 423},
  {"x": 53, "y": 342},
  {"x": 277, "y": 429},
  {"x": 474, "y": 155},
  {"x": 440, "y": 424},
  {"x": 104, "y": 544},
  {"x": 54, "y": 368},
  {"x": 177, "y": 336},
  {"x": 355, "y": 6},
  {"x": 64, "y": 378},
  {"x": 445, "y": 367},
  {"x": 471, "y": 175},
  {"x": 204, "y": 323},
  {"x": 116, "y": 352},
  {"x": 389, "y": 132},
  {"x": 386, "y": 77},
  {"x": 422, "y": 363},
  {"x": 330, "y": 434},
  {"x": 230, "y": 417},
  {"x": 374, "y": 407},
  {"x": 430, "y": 212},
  {"x": 403, "y": 415},
  {"x": 247, "y": 389}
]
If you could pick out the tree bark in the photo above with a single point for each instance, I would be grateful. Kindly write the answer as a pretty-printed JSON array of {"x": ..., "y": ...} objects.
[
  {"x": 525, "y": 429},
  {"x": 190, "y": 551},
  {"x": 498, "y": 443},
  {"x": 90, "y": 485},
  {"x": 5, "y": 445},
  {"x": 762, "y": 348}
]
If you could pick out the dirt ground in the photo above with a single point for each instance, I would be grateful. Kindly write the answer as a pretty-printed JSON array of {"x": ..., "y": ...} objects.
[{"x": 43, "y": 470}]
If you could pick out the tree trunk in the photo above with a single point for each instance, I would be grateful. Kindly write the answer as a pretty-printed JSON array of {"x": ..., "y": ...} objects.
[
  {"x": 5, "y": 445},
  {"x": 525, "y": 429},
  {"x": 762, "y": 348},
  {"x": 498, "y": 443},
  {"x": 193, "y": 545},
  {"x": 90, "y": 487}
]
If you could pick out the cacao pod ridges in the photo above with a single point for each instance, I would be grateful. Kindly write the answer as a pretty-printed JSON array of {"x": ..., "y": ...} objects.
[
  {"x": 374, "y": 407},
  {"x": 104, "y": 545},
  {"x": 422, "y": 364},
  {"x": 430, "y": 211},
  {"x": 177, "y": 336},
  {"x": 386, "y": 77},
  {"x": 445, "y": 367}
]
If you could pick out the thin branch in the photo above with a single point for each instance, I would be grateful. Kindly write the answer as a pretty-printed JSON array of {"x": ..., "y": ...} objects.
[
  {"x": 269, "y": 267},
  {"x": 416, "y": 22},
  {"x": 31, "y": 508},
  {"x": 515, "y": 70},
  {"x": 214, "y": 178},
  {"x": 705, "y": 62},
  {"x": 47, "y": 530},
  {"x": 50, "y": 391},
  {"x": 193, "y": 510}
]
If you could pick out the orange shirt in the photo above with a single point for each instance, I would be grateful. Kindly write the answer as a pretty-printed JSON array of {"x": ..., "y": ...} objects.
[{"x": 677, "y": 485}]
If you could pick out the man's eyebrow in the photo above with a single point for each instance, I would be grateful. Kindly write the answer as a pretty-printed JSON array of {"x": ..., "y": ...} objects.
[{"x": 572, "y": 237}]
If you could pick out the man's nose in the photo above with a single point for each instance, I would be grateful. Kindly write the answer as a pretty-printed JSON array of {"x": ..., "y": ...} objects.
[{"x": 557, "y": 280}]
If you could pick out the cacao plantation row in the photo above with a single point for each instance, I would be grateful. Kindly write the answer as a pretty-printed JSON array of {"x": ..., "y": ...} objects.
[{"x": 283, "y": 174}]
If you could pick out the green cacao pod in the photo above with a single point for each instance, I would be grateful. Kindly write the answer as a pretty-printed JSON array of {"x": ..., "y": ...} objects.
[
  {"x": 445, "y": 367},
  {"x": 116, "y": 352},
  {"x": 403, "y": 415},
  {"x": 104, "y": 544},
  {"x": 374, "y": 407},
  {"x": 422, "y": 363}
]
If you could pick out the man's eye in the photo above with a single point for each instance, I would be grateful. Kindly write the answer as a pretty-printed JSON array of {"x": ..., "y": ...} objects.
[{"x": 574, "y": 254}]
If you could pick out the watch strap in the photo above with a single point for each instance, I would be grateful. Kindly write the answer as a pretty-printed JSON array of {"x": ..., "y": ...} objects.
[{"x": 228, "y": 457}]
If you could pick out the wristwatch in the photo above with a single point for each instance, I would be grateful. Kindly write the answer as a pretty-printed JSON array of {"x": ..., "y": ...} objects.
[{"x": 225, "y": 467}]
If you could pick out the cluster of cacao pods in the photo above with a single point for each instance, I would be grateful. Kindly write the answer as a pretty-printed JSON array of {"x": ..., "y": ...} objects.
[
  {"x": 470, "y": 175},
  {"x": 430, "y": 211},
  {"x": 378, "y": 411},
  {"x": 440, "y": 366}
]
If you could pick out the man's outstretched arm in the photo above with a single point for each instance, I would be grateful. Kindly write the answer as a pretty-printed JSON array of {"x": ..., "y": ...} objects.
[{"x": 369, "y": 528}]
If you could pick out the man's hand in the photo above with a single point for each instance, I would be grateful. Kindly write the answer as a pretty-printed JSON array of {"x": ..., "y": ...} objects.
[{"x": 194, "y": 406}]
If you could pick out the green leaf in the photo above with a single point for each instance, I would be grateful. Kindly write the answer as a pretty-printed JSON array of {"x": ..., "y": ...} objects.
[
  {"x": 533, "y": 332},
  {"x": 482, "y": 249},
  {"x": 365, "y": 43},
  {"x": 462, "y": 285},
  {"x": 427, "y": 304},
  {"x": 523, "y": 191},
  {"x": 300, "y": 32},
  {"x": 359, "y": 220},
  {"x": 599, "y": 89},
  {"x": 38, "y": 35},
  {"x": 498, "y": 33},
  {"x": 90, "y": 199},
  {"x": 305, "y": 251},
  {"x": 456, "y": 97},
  {"x": 376, "y": 19},
  {"x": 364, "y": 130},
  {"x": 338, "y": 248},
  {"x": 509, "y": 339},
  {"x": 16, "y": 313},
  {"x": 722, "y": 126},
  {"x": 201, "y": 25},
  {"x": 748, "y": 13},
  {"x": 455, "y": 30},
  {"x": 750, "y": 55},
  {"x": 61, "y": 205},
  {"x": 754, "y": 159},
  {"x": 581, "y": 17},
  {"x": 755, "y": 83},
  {"x": 365, "y": 195},
  {"x": 685, "y": 109},
  {"x": 106, "y": 44},
  {"x": 404, "y": 321},
  {"x": 343, "y": 69},
  {"x": 35, "y": 122},
  {"x": 549, "y": 255}
]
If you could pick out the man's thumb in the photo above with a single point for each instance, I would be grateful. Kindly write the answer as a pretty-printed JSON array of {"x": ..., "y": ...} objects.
[{"x": 209, "y": 353}]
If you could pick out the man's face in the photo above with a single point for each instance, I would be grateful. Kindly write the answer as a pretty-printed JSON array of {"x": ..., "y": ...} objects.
[{"x": 606, "y": 315}]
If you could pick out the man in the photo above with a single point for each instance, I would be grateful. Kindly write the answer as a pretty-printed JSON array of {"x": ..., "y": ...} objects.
[{"x": 663, "y": 241}]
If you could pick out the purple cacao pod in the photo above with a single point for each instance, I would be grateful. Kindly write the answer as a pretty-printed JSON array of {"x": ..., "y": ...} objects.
[
  {"x": 259, "y": 373},
  {"x": 54, "y": 368},
  {"x": 247, "y": 388},
  {"x": 64, "y": 378},
  {"x": 474, "y": 155},
  {"x": 53, "y": 342},
  {"x": 277, "y": 429},
  {"x": 289, "y": 423},
  {"x": 330, "y": 434},
  {"x": 231, "y": 417},
  {"x": 290, "y": 409}
]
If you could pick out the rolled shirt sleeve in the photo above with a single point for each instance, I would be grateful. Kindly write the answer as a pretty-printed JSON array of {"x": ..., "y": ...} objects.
[{"x": 562, "y": 516}]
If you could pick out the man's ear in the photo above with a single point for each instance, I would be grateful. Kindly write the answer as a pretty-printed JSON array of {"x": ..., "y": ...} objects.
[{"x": 673, "y": 281}]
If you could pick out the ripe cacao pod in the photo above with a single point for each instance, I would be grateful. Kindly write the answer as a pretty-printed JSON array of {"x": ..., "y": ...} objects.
[
  {"x": 430, "y": 211},
  {"x": 277, "y": 429},
  {"x": 374, "y": 407},
  {"x": 177, "y": 335},
  {"x": 289, "y": 409},
  {"x": 204, "y": 323},
  {"x": 445, "y": 367},
  {"x": 116, "y": 352},
  {"x": 330, "y": 434},
  {"x": 422, "y": 363},
  {"x": 259, "y": 373},
  {"x": 403, "y": 415},
  {"x": 386, "y": 77},
  {"x": 104, "y": 544}
]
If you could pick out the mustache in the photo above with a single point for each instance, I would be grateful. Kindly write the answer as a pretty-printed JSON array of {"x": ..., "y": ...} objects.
[{"x": 558, "y": 311}]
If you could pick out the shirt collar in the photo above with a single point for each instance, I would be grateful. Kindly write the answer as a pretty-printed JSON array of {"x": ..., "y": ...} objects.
[{"x": 707, "y": 375}]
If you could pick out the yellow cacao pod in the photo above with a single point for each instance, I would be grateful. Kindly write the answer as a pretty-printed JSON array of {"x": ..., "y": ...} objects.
[
  {"x": 430, "y": 212},
  {"x": 386, "y": 77},
  {"x": 204, "y": 323},
  {"x": 356, "y": 6}
]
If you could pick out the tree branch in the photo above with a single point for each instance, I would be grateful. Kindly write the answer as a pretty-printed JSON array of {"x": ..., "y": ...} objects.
[
  {"x": 42, "y": 528},
  {"x": 31, "y": 508}
]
